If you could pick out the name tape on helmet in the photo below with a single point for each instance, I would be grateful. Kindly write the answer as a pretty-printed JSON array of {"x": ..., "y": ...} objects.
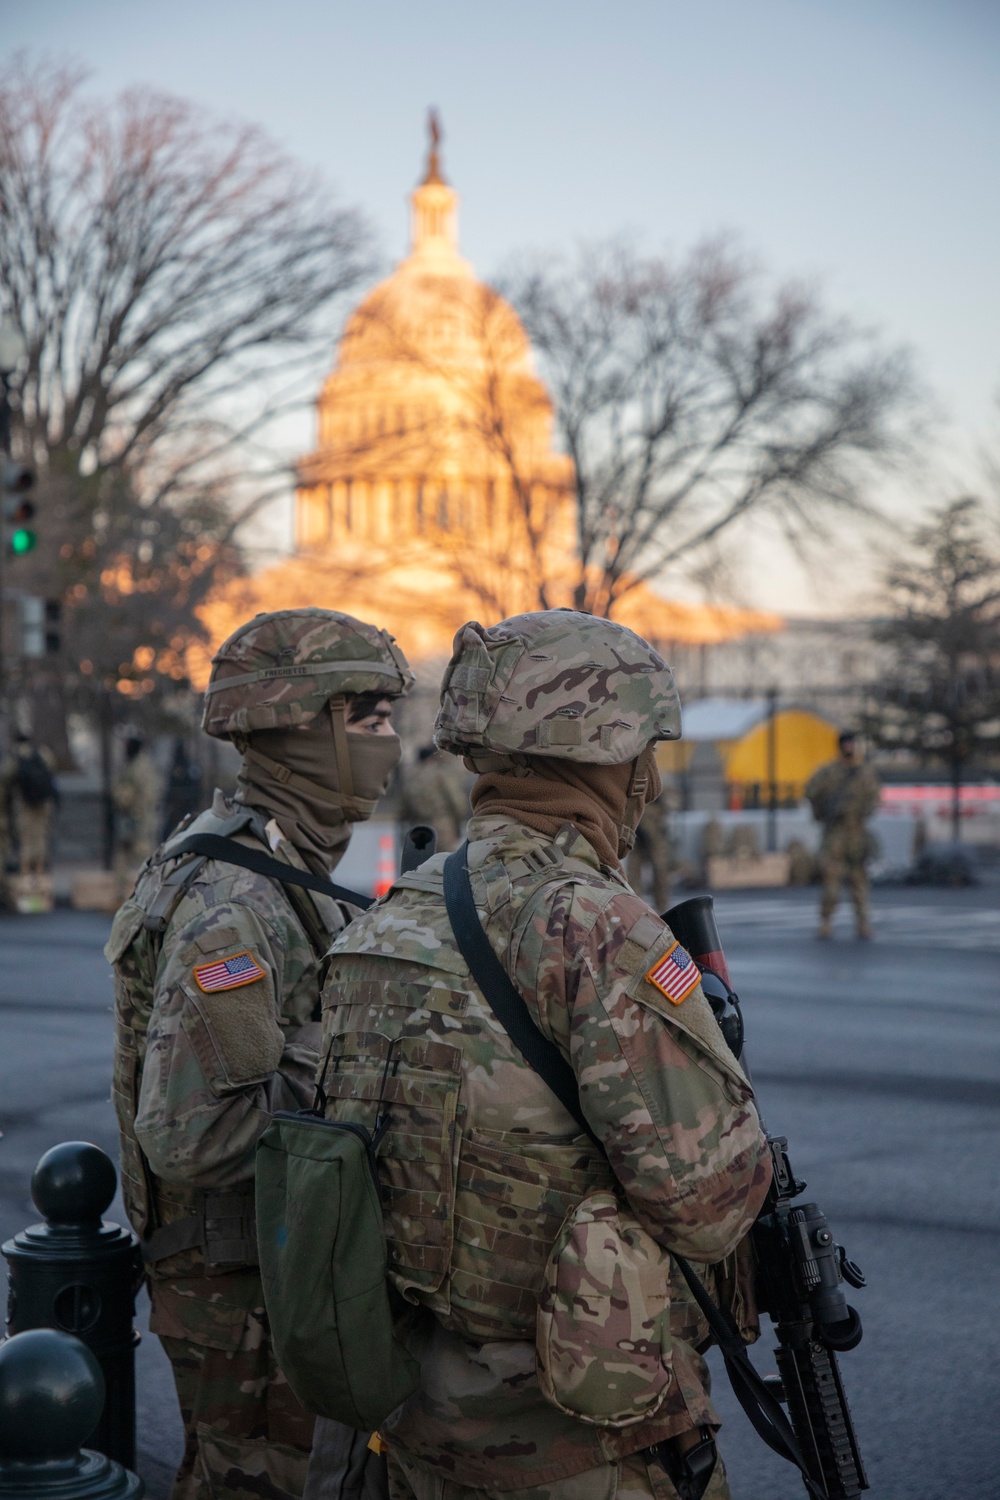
[{"x": 301, "y": 669}]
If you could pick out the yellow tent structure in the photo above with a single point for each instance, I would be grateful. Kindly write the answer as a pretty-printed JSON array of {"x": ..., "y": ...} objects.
[{"x": 737, "y": 733}]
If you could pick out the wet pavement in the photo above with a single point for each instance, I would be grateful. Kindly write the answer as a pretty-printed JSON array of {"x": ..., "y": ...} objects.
[{"x": 881, "y": 1064}]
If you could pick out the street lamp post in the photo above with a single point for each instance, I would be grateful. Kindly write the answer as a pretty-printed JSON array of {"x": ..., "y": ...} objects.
[
  {"x": 772, "y": 770},
  {"x": 12, "y": 351}
]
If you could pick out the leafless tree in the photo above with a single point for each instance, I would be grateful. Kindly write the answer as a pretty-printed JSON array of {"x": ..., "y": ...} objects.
[
  {"x": 692, "y": 398},
  {"x": 170, "y": 273},
  {"x": 940, "y": 699}
]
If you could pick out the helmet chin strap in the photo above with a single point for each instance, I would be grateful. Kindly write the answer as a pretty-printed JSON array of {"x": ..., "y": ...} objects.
[
  {"x": 638, "y": 789},
  {"x": 338, "y": 718}
]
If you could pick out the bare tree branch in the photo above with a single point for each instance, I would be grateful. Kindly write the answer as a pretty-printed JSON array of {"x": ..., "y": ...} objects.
[
  {"x": 689, "y": 399},
  {"x": 173, "y": 276},
  {"x": 940, "y": 699}
]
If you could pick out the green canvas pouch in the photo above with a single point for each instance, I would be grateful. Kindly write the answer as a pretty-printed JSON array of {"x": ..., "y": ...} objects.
[{"x": 323, "y": 1265}]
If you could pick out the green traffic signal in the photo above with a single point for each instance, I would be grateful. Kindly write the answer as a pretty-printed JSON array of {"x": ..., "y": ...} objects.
[
  {"x": 22, "y": 541},
  {"x": 18, "y": 510}
]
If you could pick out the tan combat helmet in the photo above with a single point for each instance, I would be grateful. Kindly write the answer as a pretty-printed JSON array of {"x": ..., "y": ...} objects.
[
  {"x": 555, "y": 683},
  {"x": 280, "y": 670}
]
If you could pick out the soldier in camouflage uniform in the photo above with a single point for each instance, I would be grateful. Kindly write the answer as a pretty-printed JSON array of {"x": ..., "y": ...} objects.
[
  {"x": 651, "y": 851},
  {"x": 135, "y": 795},
  {"x": 436, "y": 791},
  {"x": 558, "y": 713},
  {"x": 218, "y": 975},
  {"x": 843, "y": 794}
]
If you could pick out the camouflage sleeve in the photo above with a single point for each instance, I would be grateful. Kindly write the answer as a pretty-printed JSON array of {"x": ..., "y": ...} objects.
[
  {"x": 872, "y": 791},
  {"x": 816, "y": 789},
  {"x": 218, "y": 1061},
  {"x": 658, "y": 1084}
]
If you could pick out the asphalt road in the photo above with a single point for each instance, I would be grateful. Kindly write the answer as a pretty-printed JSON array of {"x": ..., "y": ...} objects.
[{"x": 880, "y": 1062}]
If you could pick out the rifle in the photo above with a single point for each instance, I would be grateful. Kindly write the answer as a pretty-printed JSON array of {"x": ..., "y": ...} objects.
[
  {"x": 799, "y": 1277},
  {"x": 419, "y": 844}
]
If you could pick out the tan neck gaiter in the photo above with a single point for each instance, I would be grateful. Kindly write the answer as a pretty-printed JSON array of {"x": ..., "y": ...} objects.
[
  {"x": 311, "y": 809},
  {"x": 595, "y": 799}
]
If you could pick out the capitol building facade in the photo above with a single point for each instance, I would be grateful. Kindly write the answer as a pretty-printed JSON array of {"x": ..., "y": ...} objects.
[{"x": 435, "y": 493}]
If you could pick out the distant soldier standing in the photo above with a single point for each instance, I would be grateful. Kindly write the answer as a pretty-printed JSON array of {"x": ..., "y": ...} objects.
[
  {"x": 436, "y": 791},
  {"x": 217, "y": 974},
  {"x": 30, "y": 788},
  {"x": 843, "y": 794},
  {"x": 652, "y": 848},
  {"x": 135, "y": 796}
]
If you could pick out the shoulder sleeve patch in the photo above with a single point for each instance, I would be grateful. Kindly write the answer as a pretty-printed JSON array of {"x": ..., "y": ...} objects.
[
  {"x": 228, "y": 973},
  {"x": 675, "y": 974}
]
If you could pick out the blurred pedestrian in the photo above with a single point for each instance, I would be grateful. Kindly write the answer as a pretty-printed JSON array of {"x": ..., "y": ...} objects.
[
  {"x": 651, "y": 852},
  {"x": 30, "y": 795},
  {"x": 843, "y": 794},
  {"x": 135, "y": 796},
  {"x": 436, "y": 791}
]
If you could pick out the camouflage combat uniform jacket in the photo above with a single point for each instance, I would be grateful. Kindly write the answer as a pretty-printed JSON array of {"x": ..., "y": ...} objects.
[
  {"x": 200, "y": 1069},
  {"x": 843, "y": 797},
  {"x": 481, "y": 1162}
]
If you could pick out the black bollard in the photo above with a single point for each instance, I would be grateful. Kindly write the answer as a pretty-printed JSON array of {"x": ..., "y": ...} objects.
[
  {"x": 51, "y": 1393},
  {"x": 80, "y": 1275}
]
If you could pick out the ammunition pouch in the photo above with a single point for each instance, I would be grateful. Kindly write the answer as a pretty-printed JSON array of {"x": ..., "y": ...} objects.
[{"x": 223, "y": 1227}]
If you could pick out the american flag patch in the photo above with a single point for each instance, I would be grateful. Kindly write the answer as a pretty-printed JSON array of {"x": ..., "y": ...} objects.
[
  {"x": 675, "y": 974},
  {"x": 228, "y": 973}
]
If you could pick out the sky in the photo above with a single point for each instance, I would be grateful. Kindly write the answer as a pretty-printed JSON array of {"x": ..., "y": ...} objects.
[{"x": 854, "y": 143}]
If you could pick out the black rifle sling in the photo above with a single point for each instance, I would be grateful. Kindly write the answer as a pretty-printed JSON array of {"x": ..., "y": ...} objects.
[
  {"x": 501, "y": 993},
  {"x": 508, "y": 1005},
  {"x": 762, "y": 1407},
  {"x": 214, "y": 846}
]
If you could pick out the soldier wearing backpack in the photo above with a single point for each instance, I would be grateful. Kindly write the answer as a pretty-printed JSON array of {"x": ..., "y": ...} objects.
[
  {"x": 553, "y": 1339},
  {"x": 218, "y": 962},
  {"x": 31, "y": 793}
]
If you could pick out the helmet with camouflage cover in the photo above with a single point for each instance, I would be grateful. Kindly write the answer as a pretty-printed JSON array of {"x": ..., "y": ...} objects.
[
  {"x": 280, "y": 670},
  {"x": 557, "y": 683}
]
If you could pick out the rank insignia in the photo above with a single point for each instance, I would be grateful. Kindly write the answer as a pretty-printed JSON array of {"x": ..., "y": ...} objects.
[
  {"x": 675, "y": 974},
  {"x": 228, "y": 973}
]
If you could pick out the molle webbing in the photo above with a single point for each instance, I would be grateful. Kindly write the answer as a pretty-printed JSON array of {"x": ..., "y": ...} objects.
[{"x": 223, "y": 1225}]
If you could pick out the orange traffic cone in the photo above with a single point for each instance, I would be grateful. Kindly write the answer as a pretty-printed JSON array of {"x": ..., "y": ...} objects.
[{"x": 386, "y": 863}]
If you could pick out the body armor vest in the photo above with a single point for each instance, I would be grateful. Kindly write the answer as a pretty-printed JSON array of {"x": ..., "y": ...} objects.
[
  {"x": 475, "y": 1189},
  {"x": 480, "y": 1163}
]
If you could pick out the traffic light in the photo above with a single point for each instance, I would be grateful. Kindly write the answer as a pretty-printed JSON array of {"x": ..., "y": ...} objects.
[
  {"x": 53, "y": 626},
  {"x": 41, "y": 620},
  {"x": 18, "y": 509}
]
